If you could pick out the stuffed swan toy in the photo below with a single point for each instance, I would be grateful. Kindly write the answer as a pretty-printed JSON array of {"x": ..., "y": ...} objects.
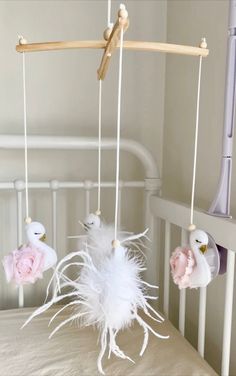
[
  {"x": 197, "y": 265},
  {"x": 27, "y": 263}
]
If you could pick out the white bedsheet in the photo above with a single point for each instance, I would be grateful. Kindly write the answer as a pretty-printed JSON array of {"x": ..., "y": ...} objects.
[{"x": 73, "y": 352}]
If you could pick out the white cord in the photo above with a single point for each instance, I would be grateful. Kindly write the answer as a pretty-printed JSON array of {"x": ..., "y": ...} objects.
[
  {"x": 25, "y": 142},
  {"x": 108, "y": 13},
  {"x": 118, "y": 132},
  {"x": 98, "y": 212},
  {"x": 196, "y": 142}
]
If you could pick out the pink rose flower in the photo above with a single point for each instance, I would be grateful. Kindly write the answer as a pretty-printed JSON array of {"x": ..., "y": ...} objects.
[
  {"x": 182, "y": 263},
  {"x": 24, "y": 265}
]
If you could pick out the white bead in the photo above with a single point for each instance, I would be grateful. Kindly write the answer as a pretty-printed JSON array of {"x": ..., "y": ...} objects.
[
  {"x": 115, "y": 243},
  {"x": 28, "y": 220},
  {"x": 22, "y": 40},
  {"x": 191, "y": 227},
  {"x": 203, "y": 43},
  {"x": 98, "y": 212},
  {"x": 123, "y": 13},
  {"x": 107, "y": 33}
]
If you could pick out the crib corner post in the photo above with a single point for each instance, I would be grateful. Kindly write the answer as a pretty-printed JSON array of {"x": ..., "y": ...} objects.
[{"x": 228, "y": 313}]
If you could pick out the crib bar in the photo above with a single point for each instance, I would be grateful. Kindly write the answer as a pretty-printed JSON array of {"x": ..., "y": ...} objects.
[
  {"x": 228, "y": 313},
  {"x": 119, "y": 210},
  {"x": 182, "y": 310},
  {"x": 21, "y": 297},
  {"x": 54, "y": 219},
  {"x": 71, "y": 185},
  {"x": 167, "y": 268},
  {"x": 202, "y": 320},
  {"x": 182, "y": 295},
  {"x": 54, "y": 187},
  {"x": 87, "y": 201},
  {"x": 19, "y": 241},
  {"x": 151, "y": 275}
]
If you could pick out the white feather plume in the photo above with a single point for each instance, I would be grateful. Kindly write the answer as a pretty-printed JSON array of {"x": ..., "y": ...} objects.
[{"x": 108, "y": 291}]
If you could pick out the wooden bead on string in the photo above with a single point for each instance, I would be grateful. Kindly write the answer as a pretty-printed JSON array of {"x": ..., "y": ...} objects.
[
  {"x": 107, "y": 33},
  {"x": 203, "y": 43},
  {"x": 28, "y": 220},
  {"x": 22, "y": 40},
  {"x": 191, "y": 227},
  {"x": 115, "y": 243},
  {"x": 122, "y": 12}
]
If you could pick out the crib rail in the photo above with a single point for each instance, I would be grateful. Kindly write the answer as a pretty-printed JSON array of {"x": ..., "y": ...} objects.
[
  {"x": 54, "y": 186},
  {"x": 224, "y": 233},
  {"x": 150, "y": 184},
  {"x": 14, "y": 142}
]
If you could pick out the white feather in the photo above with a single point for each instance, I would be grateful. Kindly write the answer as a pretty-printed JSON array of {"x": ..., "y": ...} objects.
[{"x": 109, "y": 291}]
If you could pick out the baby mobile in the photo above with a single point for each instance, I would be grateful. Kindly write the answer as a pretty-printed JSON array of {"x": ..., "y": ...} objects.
[
  {"x": 26, "y": 264},
  {"x": 195, "y": 265},
  {"x": 108, "y": 291}
]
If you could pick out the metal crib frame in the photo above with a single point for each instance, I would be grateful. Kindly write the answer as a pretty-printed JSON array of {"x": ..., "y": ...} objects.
[{"x": 156, "y": 209}]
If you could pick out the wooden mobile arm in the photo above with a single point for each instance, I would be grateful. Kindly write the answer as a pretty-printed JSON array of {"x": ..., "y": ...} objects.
[
  {"x": 132, "y": 45},
  {"x": 111, "y": 43}
]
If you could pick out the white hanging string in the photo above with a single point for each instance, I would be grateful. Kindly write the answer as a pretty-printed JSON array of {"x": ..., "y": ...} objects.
[
  {"x": 118, "y": 133},
  {"x": 108, "y": 13},
  {"x": 25, "y": 142},
  {"x": 98, "y": 212},
  {"x": 192, "y": 226}
]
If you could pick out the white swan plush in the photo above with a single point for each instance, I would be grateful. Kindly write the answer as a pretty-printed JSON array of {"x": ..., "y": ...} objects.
[
  {"x": 206, "y": 257},
  {"x": 36, "y": 235},
  {"x": 201, "y": 274},
  {"x": 197, "y": 265},
  {"x": 27, "y": 263},
  {"x": 92, "y": 221}
]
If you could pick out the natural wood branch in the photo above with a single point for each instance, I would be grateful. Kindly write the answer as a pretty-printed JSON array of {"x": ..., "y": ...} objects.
[
  {"x": 101, "y": 44},
  {"x": 52, "y": 46}
]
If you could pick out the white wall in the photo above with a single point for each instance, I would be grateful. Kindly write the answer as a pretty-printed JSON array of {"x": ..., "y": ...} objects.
[
  {"x": 188, "y": 21},
  {"x": 62, "y": 97}
]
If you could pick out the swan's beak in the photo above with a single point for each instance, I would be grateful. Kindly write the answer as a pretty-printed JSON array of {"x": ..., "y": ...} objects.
[
  {"x": 83, "y": 225},
  {"x": 86, "y": 227},
  {"x": 203, "y": 248},
  {"x": 43, "y": 238}
]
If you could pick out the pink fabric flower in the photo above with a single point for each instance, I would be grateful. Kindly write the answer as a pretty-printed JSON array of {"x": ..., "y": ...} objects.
[
  {"x": 24, "y": 265},
  {"x": 182, "y": 263}
]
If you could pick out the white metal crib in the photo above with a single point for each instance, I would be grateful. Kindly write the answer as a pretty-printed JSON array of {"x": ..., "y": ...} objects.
[{"x": 157, "y": 210}]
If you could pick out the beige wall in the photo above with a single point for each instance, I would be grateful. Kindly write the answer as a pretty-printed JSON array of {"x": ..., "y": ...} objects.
[
  {"x": 188, "y": 21},
  {"x": 62, "y": 88}
]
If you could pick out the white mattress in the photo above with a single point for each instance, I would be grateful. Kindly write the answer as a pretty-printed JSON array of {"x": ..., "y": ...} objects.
[{"x": 73, "y": 351}]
